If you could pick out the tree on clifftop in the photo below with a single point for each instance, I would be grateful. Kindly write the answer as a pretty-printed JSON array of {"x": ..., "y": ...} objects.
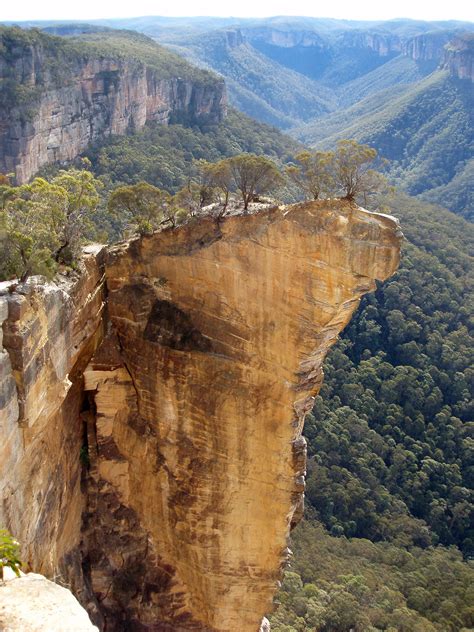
[
  {"x": 253, "y": 175},
  {"x": 140, "y": 206},
  {"x": 43, "y": 224},
  {"x": 82, "y": 198},
  {"x": 349, "y": 172},
  {"x": 313, "y": 173},
  {"x": 354, "y": 172}
]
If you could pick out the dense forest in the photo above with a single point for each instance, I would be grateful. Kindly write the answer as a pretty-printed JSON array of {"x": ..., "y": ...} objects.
[
  {"x": 342, "y": 585},
  {"x": 163, "y": 156}
]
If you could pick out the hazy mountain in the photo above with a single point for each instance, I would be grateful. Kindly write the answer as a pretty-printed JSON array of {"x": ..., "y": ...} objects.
[
  {"x": 377, "y": 82},
  {"x": 258, "y": 85}
]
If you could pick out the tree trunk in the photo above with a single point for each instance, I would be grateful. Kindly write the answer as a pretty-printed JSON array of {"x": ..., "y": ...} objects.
[{"x": 60, "y": 250}]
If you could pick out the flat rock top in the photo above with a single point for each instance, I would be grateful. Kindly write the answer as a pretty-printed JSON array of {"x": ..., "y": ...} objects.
[{"x": 32, "y": 603}]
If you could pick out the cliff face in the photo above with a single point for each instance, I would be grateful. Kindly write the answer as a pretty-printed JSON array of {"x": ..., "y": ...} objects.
[
  {"x": 49, "y": 334},
  {"x": 381, "y": 43},
  {"x": 459, "y": 57},
  {"x": 211, "y": 356},
  {"x": 285, "y": 38},
  {"x": 428, "y": 47},
  {"x": 106, "y": 96}
]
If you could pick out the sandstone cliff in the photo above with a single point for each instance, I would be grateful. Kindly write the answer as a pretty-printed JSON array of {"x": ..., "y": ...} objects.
[
  {"x": 32, "y": 603},
  {"x": 285, "y": 38},
  {"x": 459, "y": 57},
  {"x": 187, "y": 396},
  {"x": 428, "y": 46},
  {"x": 382, "y": 43},
  {"x": 49, "y": 334},
  {"x": 46, "y": 117}
]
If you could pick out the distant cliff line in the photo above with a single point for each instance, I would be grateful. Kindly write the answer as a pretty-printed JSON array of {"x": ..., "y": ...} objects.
[{"x": 59, "y": 94}]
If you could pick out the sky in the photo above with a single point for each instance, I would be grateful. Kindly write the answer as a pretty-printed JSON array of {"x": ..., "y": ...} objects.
[{"x": 348, "y": 9}]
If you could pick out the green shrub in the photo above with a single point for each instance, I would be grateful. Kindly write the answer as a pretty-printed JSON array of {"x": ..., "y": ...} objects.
[{"x": 9, "y": 552}]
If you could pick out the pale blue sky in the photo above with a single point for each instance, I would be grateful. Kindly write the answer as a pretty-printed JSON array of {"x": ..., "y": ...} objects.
[{"x": 349, "y": 9}]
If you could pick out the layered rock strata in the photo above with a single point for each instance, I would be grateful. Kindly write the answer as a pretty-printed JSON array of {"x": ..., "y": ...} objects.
[
  {"x": 49, "y": 334},
  {"x": 428, "y": 46},
  {"x": 459, "y": 57},
  {"x": 107, "y": 96},
  {"x": 193, "y": 406},
  {"x": 213, "y": 357}
]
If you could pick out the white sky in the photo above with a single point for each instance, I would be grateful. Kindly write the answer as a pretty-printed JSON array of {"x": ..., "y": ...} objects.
[{"x": 349, "y": 9}]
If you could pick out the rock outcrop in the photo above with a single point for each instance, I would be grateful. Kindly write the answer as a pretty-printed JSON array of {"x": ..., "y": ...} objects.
[
  {"x": 427, "y": 46},
  {"x": 382, "y": 43},
  {"x": 49, "y": 334},
  {"x": 459, "y": 57},
  {"x": 54, "y": 120},
  {"x": 189, "y": 412},
  {"x": 285, "y": 38},
  {"x": 32, "y": 603}
]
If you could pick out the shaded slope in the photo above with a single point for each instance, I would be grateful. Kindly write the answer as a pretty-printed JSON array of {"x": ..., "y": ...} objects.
[{"x": 397, "y": 72}]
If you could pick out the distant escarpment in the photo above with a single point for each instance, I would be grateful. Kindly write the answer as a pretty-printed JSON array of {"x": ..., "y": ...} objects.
[
  {"x": 427, "y": 46},
  {"x": 382, "y": 43},
  {"x": 459, "y": 57},
  {"x": 58, "y": 95},
  {"x": 153, "y": 410}
]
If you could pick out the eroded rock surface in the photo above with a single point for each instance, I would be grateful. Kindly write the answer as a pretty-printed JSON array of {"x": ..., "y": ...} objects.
[
  {"x": 34, "y": 604},
  {"x": 108, "y": 95},
  {"x": 49, "y": 334},
  {"x": 214, "y": 354},
  {"x": 459, "y": 57},
  {"x": 189, "y": 412}
]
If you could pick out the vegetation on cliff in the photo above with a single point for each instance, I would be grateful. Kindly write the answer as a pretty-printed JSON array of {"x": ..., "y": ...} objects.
[
  {"x": 162, "y": 155},
  {"x": 328, "y": 80},
  {"x": 44, "y": 224},
  {"x": 390, "y": 447},
  {"x": 33, "y": 62},
  {"x": 59, "y": 56},
  {"x": 9, "y": 553}
]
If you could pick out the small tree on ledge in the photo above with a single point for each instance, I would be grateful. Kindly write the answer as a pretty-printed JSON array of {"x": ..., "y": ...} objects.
[
  {"x": 253, "y": 175},
  {"x": 313, "y": 173},
  {"x": 354, "y": 173},
  {"x": 9, "y": 553}
]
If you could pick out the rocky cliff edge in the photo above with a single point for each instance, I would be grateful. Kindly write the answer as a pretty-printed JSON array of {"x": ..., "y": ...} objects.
[{"x": 153, "y": 456}]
